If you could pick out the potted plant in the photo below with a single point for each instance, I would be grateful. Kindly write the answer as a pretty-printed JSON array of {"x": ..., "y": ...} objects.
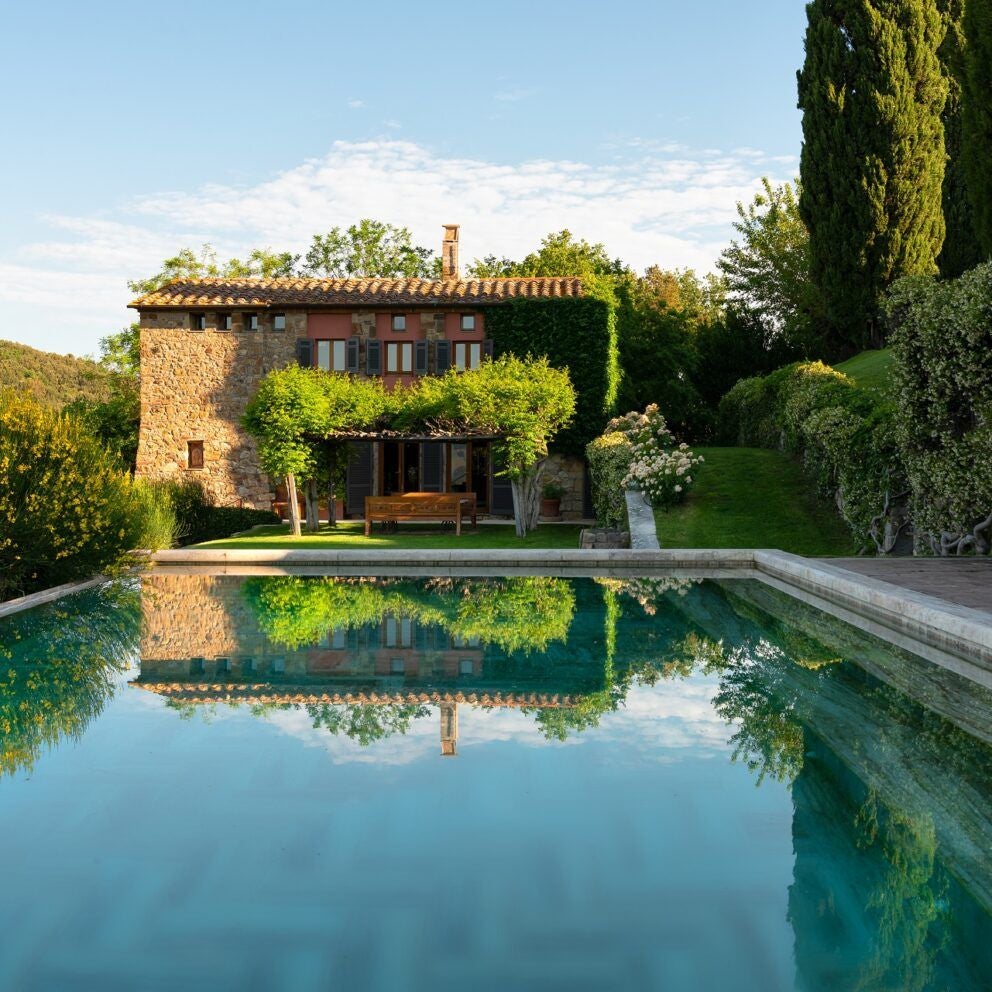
[{"x": 551, "y": 495}]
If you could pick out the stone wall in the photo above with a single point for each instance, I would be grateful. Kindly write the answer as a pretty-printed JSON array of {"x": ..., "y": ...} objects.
[
  {"x": 567, "y": 471},
  {"x": 195, "y": 386}
]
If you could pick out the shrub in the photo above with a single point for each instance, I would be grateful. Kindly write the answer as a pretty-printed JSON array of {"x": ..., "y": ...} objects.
[
  {"x": 198, "y": 519},
  {"x": 609, "y": 458},
  {"x": 659, "y": 467},
  {"x": 942, "y": 350},
  {"x": 67, "y": 511},
  {"x": 845, "y": 436}
]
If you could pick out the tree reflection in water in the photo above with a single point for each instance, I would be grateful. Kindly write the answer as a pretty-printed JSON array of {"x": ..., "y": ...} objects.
[{"x": 58, "y": 667}]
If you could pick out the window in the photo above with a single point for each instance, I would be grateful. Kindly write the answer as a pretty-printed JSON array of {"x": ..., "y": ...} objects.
[
  {"x": 251, "y": 322},
  {"x": 331, "y": 356},
  {"x": 224, "y": 322},
  {"x": 399, "y": 356},
  {"x": 397, "y": 666},
  {"x": 468, "y": 321},
  {"x": 194, "y": 454},
  {"x": 278, "y": 322},
  {"x": 468, "y": 355},
  {"x": 197, "y": 321},
  {"x": 399, "y": 322},
  {"x": 465, "y": 667}
]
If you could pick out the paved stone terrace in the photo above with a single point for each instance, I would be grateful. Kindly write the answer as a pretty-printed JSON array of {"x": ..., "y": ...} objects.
[{"x": 963, "y": 581}]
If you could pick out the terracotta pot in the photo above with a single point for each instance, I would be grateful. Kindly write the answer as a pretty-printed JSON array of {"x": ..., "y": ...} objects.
[{"x": 550, "y": 507}]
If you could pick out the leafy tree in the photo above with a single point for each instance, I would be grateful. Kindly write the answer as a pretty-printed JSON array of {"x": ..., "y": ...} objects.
[
  {"x": 976, "y": 118},
  {"x": 961, "y": 250},
  {"x": 294, "y": 406},
  {"x": 525, "y": 402},
  {"x": 767, "y": 270},
  {"x": 116, "y": 419},
  {"x": 872, "y": 166},
  {"x": 263, "y": 263},
  {"x": 657, "y": 354},
  {"x": 734, "y": 348},
  {"x": 185, "y": 264},
  {"x": 560, "y": 254},
  {"x": 370, "y": 248},
  {"x": 702, "y": 299}
]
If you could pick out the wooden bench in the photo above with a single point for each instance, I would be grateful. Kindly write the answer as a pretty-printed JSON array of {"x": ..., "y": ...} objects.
[{"x": 420, "y": 506}]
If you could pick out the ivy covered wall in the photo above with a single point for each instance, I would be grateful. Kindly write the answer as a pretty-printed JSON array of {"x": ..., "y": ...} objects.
[{"x": 577, "y": 334}]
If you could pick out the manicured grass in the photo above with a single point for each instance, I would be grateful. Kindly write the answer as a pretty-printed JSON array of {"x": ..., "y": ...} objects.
[
  {"x": 753, "y": 498},
  {"x": 870, "y": 369},
  {"x": 351, "y": 534}
]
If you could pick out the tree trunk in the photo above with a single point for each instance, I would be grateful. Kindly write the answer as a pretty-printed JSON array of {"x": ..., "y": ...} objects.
[
  {"x": 527, "y": 499},
  {"x": 332, "y": 509},
  {"x": 294, "y": 506},
  {"x": 313, "y": 506}
]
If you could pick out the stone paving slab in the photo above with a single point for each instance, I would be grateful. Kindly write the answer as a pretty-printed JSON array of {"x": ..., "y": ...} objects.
[{"x": 964, "y": 581}]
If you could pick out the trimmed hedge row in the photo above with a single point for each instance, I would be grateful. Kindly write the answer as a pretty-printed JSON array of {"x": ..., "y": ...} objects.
[
  {"x": 198, "y": 520},
  {"x": 577, "y": 334},
  {"x": 846, "y": 437}
]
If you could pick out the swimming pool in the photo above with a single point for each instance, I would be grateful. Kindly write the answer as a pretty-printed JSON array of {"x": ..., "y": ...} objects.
[{"x": 212, "y": 781}]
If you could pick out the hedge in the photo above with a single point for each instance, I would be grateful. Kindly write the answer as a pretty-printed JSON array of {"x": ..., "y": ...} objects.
[
  {"x": 609, "y": 459},
  {"x": 942, "y": 349},
  {"x": 198, "y": 520},
  {"x": 846, "y": 437},
  {"x": 575, "y": 333}
]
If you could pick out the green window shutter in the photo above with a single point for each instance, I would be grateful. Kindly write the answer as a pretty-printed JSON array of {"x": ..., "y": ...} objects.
[
  {"x": 420, "y": 358},
  {"x": 353, "y": 353},
  {"x": 373, "y": 357}
]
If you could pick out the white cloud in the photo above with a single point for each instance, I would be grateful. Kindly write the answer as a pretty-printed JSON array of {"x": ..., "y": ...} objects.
[
  {"x": 356, "y": 104},
  {"x": 653, "y": 203}
]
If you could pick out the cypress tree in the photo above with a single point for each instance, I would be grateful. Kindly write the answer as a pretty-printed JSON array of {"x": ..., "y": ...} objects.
[
  {"x": 976, "y": 117},
  {"x": 961, "y": 249},
  {"x": 872, "y": 167}
]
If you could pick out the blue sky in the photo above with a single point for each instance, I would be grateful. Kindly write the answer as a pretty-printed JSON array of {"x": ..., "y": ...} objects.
[{"x": 134, "y": 129}]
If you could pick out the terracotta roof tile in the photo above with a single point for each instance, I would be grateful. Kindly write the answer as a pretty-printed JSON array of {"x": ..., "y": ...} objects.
[
  {"x": 267, "y": 692},
  {"x": 292, "y": 292}
]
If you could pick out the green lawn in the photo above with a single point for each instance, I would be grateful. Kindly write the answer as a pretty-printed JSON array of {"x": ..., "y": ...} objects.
[
  {"x": 753, "y": 498},
  {"x": 870, "y": 369},
  {"x": 351, "y": 534}
]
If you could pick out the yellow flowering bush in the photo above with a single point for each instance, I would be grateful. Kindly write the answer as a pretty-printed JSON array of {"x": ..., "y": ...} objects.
[{"x": 67, "y": 511}]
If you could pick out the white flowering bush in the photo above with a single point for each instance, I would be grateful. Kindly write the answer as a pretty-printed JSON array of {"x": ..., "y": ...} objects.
[{"x": 659, "y": 467}]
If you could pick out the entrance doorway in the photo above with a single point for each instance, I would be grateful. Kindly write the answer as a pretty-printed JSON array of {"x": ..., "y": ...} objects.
[
  {"x": 400, "y": 467},
  {"x": 469, "y": 470}
]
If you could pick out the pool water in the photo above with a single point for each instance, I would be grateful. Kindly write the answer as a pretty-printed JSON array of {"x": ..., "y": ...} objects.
[{"x": 214, "y": 782}]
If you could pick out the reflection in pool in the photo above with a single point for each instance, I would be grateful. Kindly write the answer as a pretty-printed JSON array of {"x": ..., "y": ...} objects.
[{"x": 217, "y": 780}]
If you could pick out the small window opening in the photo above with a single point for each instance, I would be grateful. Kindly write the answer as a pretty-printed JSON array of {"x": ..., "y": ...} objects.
[{"x": 194, "y": 454}]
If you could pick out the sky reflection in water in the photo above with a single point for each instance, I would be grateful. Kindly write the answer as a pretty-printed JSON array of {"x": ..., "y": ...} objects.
[{"x": 526, "y": 783}]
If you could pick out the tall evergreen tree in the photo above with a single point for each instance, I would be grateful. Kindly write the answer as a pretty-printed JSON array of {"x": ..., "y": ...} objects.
[
  {"x": 976, "y": 117},
  {"x": 961, "y": 249},
  {"x": 872, "y": 167}
]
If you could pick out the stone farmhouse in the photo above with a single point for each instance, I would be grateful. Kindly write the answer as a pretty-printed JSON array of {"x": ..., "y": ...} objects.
[{"x": 207, "y": 343}]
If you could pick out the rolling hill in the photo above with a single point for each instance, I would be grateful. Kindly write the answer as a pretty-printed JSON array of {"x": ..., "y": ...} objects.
[{"x": 53, "y": 380}]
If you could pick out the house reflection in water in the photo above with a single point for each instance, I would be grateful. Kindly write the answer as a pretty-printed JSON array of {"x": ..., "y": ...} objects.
[{"x": 202, "y": 642}]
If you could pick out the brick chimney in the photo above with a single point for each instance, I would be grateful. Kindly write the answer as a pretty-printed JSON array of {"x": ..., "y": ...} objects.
[{"x": 449, "y": 252}]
